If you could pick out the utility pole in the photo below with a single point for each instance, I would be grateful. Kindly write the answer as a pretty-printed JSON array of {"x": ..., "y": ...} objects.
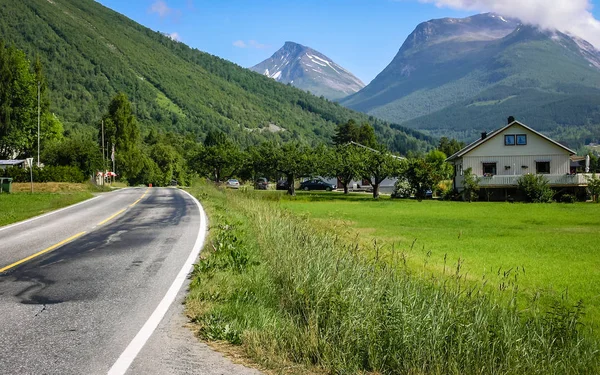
[
  {"x": 103, "y": 156},
  {"x": 38, "y": 158}
]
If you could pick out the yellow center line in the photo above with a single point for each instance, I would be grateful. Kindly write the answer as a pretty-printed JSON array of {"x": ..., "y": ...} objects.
[
  {"x": 142, "y": 197},
  {"x": 41, "y": 252},
  {"x": 123, "y": 210},
  {"x": 112, "y": 217},
  {"x": 68, "y": 239}
]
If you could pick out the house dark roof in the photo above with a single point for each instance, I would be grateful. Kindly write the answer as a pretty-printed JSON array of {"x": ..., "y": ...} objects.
[{"x": 491, "y": 135}]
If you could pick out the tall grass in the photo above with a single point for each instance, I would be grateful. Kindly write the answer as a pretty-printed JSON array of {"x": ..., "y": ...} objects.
[{"x": 289, "y": 292}]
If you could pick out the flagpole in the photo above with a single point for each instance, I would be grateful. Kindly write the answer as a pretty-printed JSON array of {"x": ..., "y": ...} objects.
[
  {"x": 113, "y": 160},
  {"x": 103, "y": 156}
]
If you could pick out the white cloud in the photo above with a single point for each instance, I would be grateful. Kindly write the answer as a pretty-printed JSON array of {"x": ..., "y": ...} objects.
[
  {"x": 250, "y": 44},
  {"x": 175, "y": 36},
  {"x": 570, "y": 16},
  {"x": 161, "y": 8}
]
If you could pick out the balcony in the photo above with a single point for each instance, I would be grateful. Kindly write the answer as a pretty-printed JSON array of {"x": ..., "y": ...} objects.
[{"x": 554, "y": 180}]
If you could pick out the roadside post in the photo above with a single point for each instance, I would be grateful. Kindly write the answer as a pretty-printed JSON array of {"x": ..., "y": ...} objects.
[{"x": 30, "y": 164}]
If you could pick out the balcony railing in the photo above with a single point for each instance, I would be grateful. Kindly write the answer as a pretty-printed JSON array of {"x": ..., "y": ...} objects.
[{"x": 553, "y": 179}]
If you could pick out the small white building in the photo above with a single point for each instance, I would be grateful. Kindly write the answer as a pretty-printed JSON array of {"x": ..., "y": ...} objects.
[
  {"x": 502, "y": 156},
  {"x": 12, "y": 163}
]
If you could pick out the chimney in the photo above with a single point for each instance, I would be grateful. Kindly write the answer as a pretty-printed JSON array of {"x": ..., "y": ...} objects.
[
  {"x": 511, "y": 119},
  {"x": 483, "y": 135}
]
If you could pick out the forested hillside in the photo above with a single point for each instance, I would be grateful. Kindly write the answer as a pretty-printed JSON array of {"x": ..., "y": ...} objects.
[
  {"x": 90, "y": 53},
  {"x": 458, "y": 77}
]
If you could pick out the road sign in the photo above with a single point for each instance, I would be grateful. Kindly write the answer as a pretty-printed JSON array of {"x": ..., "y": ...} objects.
[{"x": 29, "y": 162}]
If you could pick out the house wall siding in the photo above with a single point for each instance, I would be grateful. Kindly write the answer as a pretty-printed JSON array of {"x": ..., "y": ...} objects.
[
  {"x": 536, "y": 145},
  {"x": 559, "y": 164}
]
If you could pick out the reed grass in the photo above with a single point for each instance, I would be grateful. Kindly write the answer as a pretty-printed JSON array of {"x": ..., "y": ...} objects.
[{"x": 289, "y": 292}]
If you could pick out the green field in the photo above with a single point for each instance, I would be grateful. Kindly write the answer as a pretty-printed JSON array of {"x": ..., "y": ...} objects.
[
  {"x": 550, "y": 249},
  {"x": 20, "y": 206}
]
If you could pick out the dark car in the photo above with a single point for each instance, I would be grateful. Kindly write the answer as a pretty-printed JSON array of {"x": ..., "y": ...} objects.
[
  {"x": 261, "y": 184},
  {"x": 282, "y": 185},
  {"x": 317, "y": 185}
]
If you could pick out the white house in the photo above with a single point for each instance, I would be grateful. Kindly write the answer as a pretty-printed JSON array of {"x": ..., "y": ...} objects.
[{"x": 502, "y": 156}]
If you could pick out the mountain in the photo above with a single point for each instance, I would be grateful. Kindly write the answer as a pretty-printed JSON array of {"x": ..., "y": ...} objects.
[
  {"x": 458, "y": 77},
  {"x": 90, "y": 53},
  {"x": 309, "y": 70}
]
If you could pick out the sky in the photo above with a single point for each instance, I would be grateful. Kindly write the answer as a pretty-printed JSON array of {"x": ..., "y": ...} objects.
[{"x": 363, "y": 36}]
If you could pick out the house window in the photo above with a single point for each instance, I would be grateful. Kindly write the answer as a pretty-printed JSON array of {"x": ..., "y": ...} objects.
[
  {"x": 542, "y": 167},
  {"x": 521, "y": 139},
  {"x": 489, "y": 169},
  {"x": 509, "y": 140}
]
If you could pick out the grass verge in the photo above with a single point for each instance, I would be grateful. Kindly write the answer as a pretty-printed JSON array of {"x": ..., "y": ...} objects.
[
  {"x": 295, "y": 296},
  {"x": 548, "y": 248},
  {"x": 48, "y": 197}
]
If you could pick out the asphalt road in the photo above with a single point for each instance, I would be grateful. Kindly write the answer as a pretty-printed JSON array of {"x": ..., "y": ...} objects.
[{"x": 77, "y": 307}]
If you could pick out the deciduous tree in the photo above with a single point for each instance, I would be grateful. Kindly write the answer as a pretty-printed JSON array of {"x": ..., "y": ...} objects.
[{"x": 377, "y": 165}]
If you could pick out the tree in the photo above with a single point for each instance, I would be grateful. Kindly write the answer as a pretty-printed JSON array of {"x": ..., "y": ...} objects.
[
  {"x": 345, "y": 133},
  {"x": 350, "y": 132},
  {"x": 377, "y": 165},
  {"x": 450, "y": 146},
  {"x": 18, "y": 104},
  {"x": 366, "y": 135},
  {"x": 594, "y": 187},
  {"x": 536, "y": 188},
  {"x": 77, "y": 151},
  {"x": 121, "y": 130},
  {"x": 214, "y": 138},
  {"x": 425, "y": 173},
  {"x": 470, "y": 185},
  {"x": 220, "y": 161},
  {"x": 292, "y": 159},
  {"x": 343, "y": 163}
]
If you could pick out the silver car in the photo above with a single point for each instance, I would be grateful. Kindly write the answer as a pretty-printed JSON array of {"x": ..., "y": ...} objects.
[{"x": 232, "y": 184}]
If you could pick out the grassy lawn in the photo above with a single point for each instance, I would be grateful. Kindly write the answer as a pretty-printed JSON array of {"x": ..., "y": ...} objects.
[
  {"x": 547, "y": 248},
  {"x": 21, "y": 205}
]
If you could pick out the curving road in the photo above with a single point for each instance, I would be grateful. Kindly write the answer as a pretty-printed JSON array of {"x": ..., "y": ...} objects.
[{"x": 81, "y": 289}]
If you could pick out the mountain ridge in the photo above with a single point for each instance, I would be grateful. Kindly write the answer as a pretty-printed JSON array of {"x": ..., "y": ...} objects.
[
  {"x": 310, "y": 70},
  {"x": 90, "y": 53},
  {"x": 457, "y": 77}
]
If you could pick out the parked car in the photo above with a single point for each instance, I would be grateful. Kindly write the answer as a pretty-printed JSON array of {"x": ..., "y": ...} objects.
[
  {"x": 317, "y": 185},
  {"x": 261, "y": 184},
  {"x": 232, "y": 184},
  {"x": 282, "y": 185}
]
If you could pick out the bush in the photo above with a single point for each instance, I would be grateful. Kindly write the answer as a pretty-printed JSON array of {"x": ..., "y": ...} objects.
[
  {"x": 568, "y": 198},
  {"x": 594, "y": 187},
  {"x": 471, "y": 185},
  {"x": 46, "y": 174},
  {"x": 403, "y": 189},
  {"x": 535, "y": 188}
]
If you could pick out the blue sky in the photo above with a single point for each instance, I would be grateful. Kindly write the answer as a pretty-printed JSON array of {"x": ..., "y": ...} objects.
[{"x": 361, "y": 35}]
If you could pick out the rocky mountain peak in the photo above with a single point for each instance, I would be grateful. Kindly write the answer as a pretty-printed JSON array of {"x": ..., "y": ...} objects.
[{"x": 310, "y": 70}]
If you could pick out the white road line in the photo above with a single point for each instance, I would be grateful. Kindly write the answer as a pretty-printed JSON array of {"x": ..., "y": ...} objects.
[
  {"x": 135, "y": 346},
  {"x": 62, "y": 209},
  {"x": 48, "y": 214}
]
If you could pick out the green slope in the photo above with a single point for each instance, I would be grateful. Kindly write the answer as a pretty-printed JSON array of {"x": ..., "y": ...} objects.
[
  {"x": 90, "y": 53},
  {"x": 458, "y": 81}
]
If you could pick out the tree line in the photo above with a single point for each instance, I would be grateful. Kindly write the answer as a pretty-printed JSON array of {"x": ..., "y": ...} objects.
[{"x": 160, "y": 157}]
